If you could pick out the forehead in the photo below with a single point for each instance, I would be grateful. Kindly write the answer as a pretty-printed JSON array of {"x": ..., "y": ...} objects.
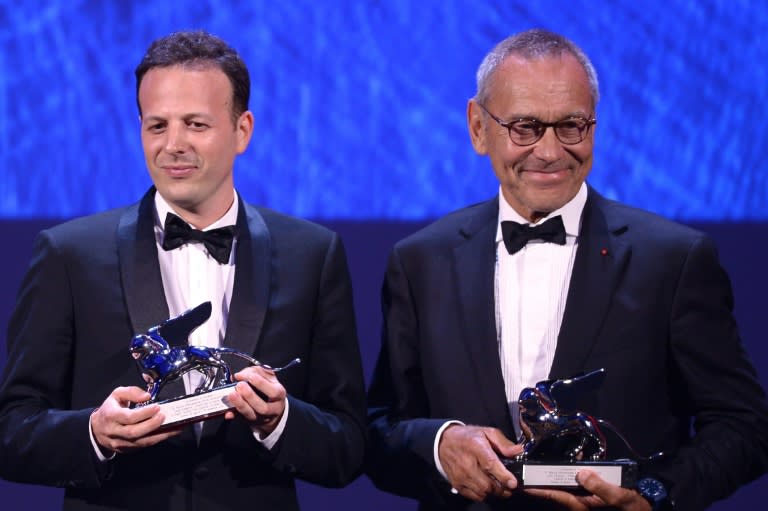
[
  {"x": 176, "y": 89},
  {"x": 550, "y": 86}
]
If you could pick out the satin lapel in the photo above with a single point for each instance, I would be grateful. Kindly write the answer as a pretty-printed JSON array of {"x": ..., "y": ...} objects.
[
  {"x": 139, "y": 267},
  {"x": 142, "y": 281},
  {"x": 600, "y": 260},
  {"x": 475, "y": 258},
  {"x": 250, "y": 295}
]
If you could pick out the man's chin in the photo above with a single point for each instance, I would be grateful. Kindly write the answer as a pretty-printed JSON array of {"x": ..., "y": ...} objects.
[{"x": 178, "y": 197}]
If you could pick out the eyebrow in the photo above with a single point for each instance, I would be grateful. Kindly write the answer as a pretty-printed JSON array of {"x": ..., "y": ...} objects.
[
  {"x": 185, "y": 117},
  {"x": 516, "y": 117}
]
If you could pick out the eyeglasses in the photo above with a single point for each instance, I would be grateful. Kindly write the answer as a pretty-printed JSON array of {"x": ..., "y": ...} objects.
[{"x": 528, "y": 130}]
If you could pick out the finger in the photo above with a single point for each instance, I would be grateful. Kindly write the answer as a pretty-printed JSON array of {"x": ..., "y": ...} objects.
[
  {"x": 142, "y": 428},
  {"x": 503, "y": 445},
  {"x": 265, "y": 384},
  {"x": 264, "y": 387},
  {"x": 127, "y": 395},
  {"x": 495, "y": 470},
  {"x": 483, "y": 481},
  {"x": 107, "y": 420},
  {"x": 256, "y": 372},
  {"x": 116, "y": 437},
  {"x": 157, "y": 437},
  {"x": 501, "y": 489},
  {"x": 471, "y": 464},
  {"x": 124, "y": 444},
  {"x": 252, "y": 407},
  {"x": 493, "y": 466},
  {"x": 592, "y": 501},
  {"x": 476, "y": 489},
  {"x": 130, "y": 416},
  {"x": 116, "y": 407},
  {"x": 239, "y": 405},
  {"x": 568, "y": 500},
  {"x": 252, "y": 397},
  {"x": 114, "y": 415},
  {"x": 606, "y": 492},
  {"x": 120, "y": 437}
]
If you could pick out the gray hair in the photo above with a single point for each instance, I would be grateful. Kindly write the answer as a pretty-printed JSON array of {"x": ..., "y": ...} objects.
[{"x": 531, "y": 44}]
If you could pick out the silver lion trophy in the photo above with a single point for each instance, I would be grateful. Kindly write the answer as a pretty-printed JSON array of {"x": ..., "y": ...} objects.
[
  {"x": 560, "y": 441},
  {"x": 163, "y": 356}
]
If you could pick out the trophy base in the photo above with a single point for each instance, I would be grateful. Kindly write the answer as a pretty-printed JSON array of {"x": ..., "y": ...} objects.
[
  {"x": 195, "y": 407},
  {"x": 538, "y": 474}
]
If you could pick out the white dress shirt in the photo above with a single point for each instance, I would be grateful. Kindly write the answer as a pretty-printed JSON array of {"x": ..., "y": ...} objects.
[
  {"x": 530, "y": 290},
  {"x": 190, "y": 277}
]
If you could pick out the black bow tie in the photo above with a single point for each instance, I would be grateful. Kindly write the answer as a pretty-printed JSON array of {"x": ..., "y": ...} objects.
[
  {"x": 517, "y": 235},
  {"x": 218, "y": 242}
]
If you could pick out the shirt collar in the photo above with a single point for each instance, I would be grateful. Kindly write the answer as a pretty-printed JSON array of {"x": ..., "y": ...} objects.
[
  {"x": 162, "y": 208},
  {"x": 570, "y": 212}
]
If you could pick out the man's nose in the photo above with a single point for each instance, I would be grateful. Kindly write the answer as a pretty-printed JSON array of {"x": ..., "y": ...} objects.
[
  {"x": 175, "y": 141},
  {"x": 549, "y": 147}
]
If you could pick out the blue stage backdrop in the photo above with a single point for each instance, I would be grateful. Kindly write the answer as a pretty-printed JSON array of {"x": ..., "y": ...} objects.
[
  {"x": 360, "y": 125},
  {"x": 360, "y": 105}
]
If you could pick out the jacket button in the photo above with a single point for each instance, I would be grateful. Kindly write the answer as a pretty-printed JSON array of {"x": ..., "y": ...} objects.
[{"x": 201, "y": 472}]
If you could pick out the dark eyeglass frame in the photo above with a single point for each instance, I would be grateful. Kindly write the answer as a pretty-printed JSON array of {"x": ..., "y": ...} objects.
[{"x": 542, "y": 127}]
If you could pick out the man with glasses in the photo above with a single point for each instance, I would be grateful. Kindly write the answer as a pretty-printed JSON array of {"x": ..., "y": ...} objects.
[{"x": 549, "y": 280}]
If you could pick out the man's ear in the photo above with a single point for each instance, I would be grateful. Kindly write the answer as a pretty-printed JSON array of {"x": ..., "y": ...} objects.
[
  {"x": 244, "y": 129},
  {"x": 476, "y": 125}
]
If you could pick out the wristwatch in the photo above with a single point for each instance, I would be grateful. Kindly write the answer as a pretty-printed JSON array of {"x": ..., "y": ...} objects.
[{"x": 655, "y": 493}]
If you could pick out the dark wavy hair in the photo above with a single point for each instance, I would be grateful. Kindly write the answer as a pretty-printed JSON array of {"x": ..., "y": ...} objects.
[{"x": 199, "y": 49}]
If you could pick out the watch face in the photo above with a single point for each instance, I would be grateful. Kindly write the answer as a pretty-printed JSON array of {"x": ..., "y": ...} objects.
[
  {"x": 651, "y": 488},
  {"x": 654, "y": 492}
]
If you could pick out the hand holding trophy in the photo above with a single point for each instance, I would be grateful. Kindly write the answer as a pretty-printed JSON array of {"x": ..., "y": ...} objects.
[
  {"x": 558, "y": 443},
  {"x": 163, "y": 356}
]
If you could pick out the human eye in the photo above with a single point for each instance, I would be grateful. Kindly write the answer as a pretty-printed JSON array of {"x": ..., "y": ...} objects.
[
  {"x": 525, "y": 127},
  {"x": 156, "y": 126},
  {"x": 572, "y": 123},
  {"x": 197, "y": 125},
  {"x": 571, "y": 127}
]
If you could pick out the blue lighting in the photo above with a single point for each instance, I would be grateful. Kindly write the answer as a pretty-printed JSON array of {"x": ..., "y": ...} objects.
[{"x": 360, "y": 105}]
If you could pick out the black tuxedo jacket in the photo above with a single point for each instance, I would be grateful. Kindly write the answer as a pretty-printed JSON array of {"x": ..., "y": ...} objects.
[
  {"x": 648, "y": 301},
  {"x": 95, "y": 282}
]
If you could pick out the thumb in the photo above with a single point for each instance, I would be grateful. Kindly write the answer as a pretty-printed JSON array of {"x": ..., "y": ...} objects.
[
  {"x": 126, "y": 395},
  {"x": 503, "y": 445},
  {"x": 590, "y": 481}
]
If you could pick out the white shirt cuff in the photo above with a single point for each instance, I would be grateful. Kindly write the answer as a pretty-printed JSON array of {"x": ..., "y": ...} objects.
[
  {"x": 435, "y": 449},
  {"x": 270, "y": 440}
]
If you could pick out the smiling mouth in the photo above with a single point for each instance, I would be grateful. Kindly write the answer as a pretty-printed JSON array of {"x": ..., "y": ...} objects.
[
  {"x": 546, "y": 171},
  {"x": 543, "y": 172},
  {"x": 178, "y": 170},
  {"x": 545, "y": 177}
]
